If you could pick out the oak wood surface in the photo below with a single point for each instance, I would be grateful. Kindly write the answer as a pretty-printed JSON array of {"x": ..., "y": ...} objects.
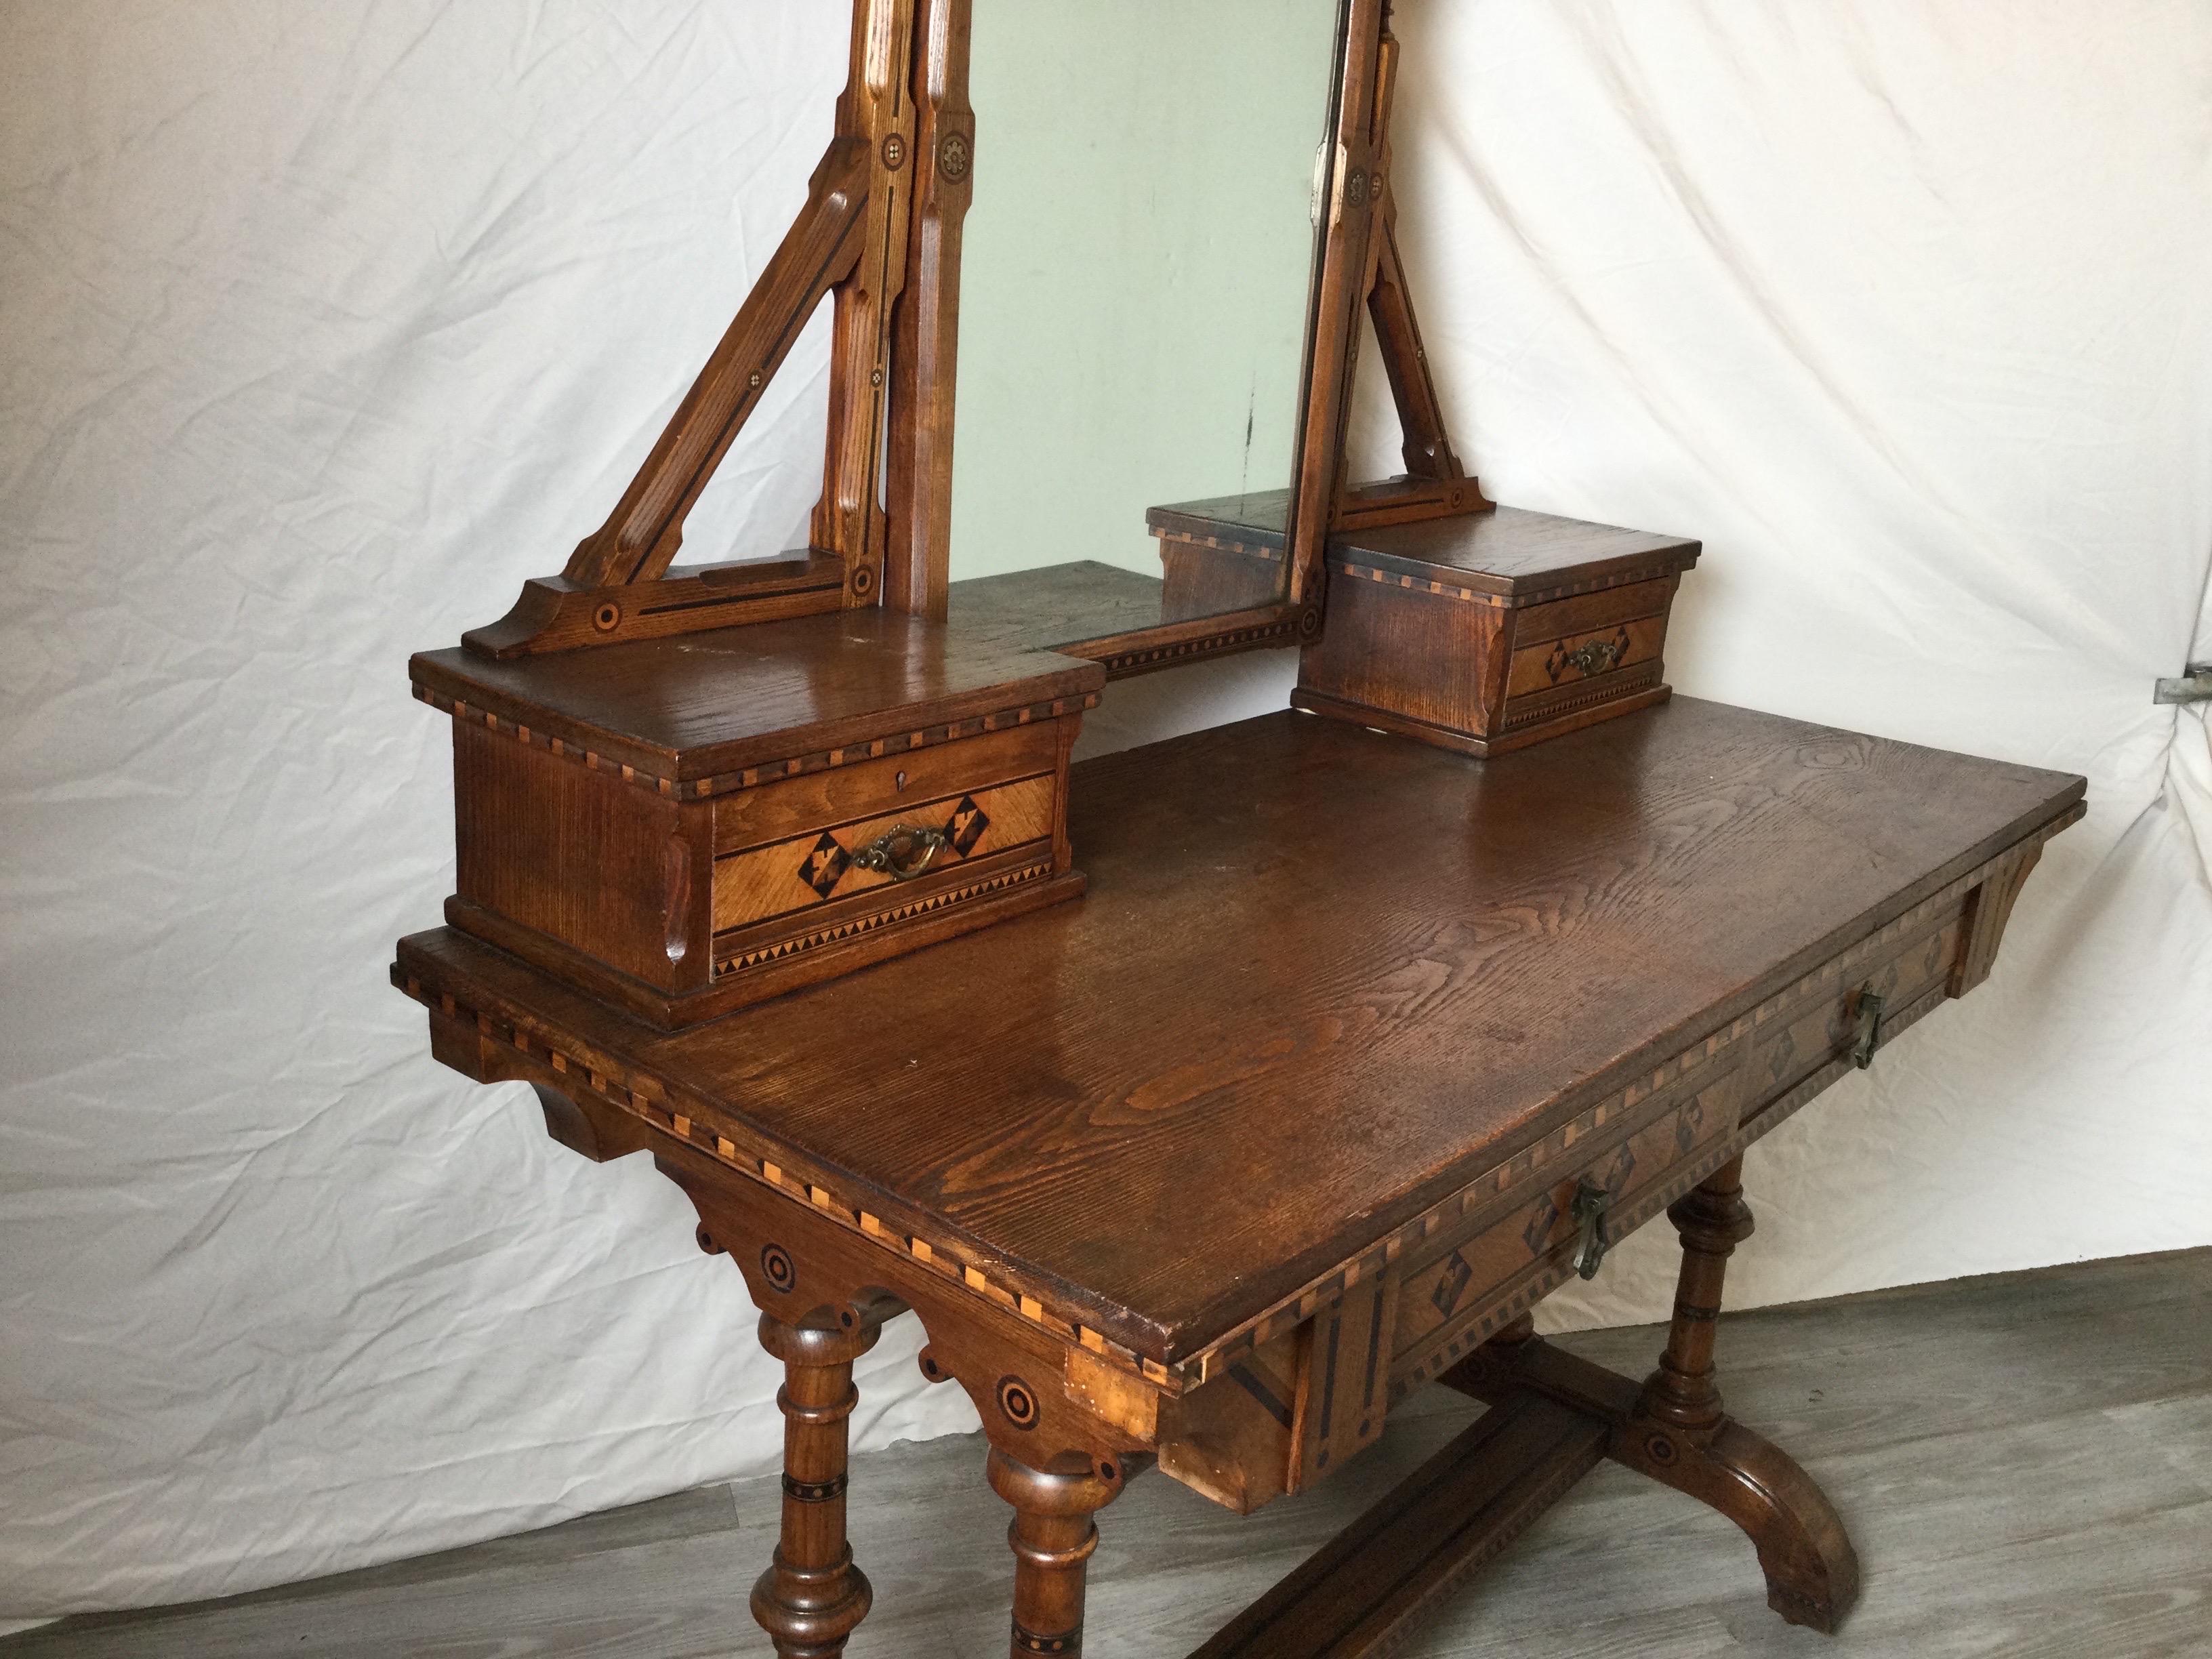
[
  {"x": 740, "y": 697},
  {"x": 1510, "y": 552},
  {"x": 1430, "y": 962}
]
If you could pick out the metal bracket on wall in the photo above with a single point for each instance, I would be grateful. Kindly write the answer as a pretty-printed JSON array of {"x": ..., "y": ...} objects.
[{"x": 2196, "y": 688}]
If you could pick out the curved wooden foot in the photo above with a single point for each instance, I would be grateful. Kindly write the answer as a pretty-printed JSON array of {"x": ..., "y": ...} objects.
[
  {"x": 1811, "y": 1570},
  {"x": 1673, "y": 1429},
  {"x": 811, "y": 1600},
  {"x": 1052, "y": 1537},
  {"x": 1678, "y": 1434}
]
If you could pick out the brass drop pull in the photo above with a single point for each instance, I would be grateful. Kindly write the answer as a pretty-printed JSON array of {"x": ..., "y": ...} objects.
[
  {"x": 1597, "y": 656},
  {"x": 903, "y": 853},
  {"x": 1869, "y": 1037},
  {"x": 1592, "y": 1202}
]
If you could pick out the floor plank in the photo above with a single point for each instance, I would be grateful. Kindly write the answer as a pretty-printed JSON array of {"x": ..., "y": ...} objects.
[{"x": 2025, "y": 1461}]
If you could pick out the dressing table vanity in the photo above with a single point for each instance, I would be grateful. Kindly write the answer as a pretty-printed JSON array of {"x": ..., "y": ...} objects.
[{"x": 1206, "y": 1100}]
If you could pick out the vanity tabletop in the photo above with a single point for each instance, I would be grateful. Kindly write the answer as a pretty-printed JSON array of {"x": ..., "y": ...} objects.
[{"x": 1322, "y": 978}]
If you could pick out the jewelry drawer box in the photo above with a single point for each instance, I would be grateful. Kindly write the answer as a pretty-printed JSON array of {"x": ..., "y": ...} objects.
[
  {"x": 687, "y": 826},
  {"x": 1492, "y": 631}
]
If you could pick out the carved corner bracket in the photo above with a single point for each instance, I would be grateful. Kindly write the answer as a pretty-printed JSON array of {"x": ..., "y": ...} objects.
[{"x": 879, "y": 237}]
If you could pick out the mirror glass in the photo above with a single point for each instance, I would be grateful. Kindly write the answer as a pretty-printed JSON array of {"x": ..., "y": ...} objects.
[{"x": 1135, "y": 302}]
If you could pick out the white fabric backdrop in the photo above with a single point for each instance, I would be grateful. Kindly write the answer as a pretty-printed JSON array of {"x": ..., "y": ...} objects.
[{"x": 322, "y": 326}]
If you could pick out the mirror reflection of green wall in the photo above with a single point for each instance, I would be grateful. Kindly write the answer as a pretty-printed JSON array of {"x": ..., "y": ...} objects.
[{"x": 1137, "y": 266}]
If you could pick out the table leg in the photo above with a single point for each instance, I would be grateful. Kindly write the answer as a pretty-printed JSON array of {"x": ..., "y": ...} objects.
[
  {"x": 1679, "y": 1435},
  {"x": 813, "y": 1597},
  {"x": 1053, "y": 1536},
  {"x": 1672, "y": 1427}
]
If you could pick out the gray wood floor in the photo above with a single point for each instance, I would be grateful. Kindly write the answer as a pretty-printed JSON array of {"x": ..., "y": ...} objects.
[{"x": 2025, "y": 1462}]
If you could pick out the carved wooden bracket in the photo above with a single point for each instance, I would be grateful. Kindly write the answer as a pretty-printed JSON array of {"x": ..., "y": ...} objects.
[
  {"x": 1362, "y": 267},
  {"x": 880, "y": 237}
]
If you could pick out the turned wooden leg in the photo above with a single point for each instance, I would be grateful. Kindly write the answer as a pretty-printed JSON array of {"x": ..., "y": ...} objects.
[
  {"x": 811, "y": 1600},
  {"x": 1678, "y": 1434},
  {"x": 1053, "y": 1536}
]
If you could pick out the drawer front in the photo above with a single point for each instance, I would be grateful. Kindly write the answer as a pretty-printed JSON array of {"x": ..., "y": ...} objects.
[
  {"x": 1591, "y": 613},
  {"x": 1591, "y": 655},
  {"x": 1451, "y": 1289},
  {"x": 847, "y": 794},
  {"x": 1814, "y": 1029},
  {"x": 816, "y": 867}
]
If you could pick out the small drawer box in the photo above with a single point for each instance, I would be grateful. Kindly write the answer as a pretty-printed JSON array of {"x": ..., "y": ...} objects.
[
  {"x": 686, "y": 826},
  {"x": 1488, "y": 633}
]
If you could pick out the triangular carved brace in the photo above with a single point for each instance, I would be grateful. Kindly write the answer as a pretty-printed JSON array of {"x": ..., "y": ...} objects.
[
  {"x": 850, "y": 243},
  {"x": 1434, "y": 486},
  {"x": 1361, "y": 267}
]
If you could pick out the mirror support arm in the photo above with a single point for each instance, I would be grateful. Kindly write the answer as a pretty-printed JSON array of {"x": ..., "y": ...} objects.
[{"x": 925, "y": 328}]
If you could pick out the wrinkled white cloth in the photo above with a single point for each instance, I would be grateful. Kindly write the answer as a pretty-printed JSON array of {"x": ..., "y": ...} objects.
[{"x": 323, "y": 326}]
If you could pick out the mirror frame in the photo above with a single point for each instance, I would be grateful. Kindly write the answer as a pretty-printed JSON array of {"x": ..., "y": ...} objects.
[{"x": 880, "y": 237}]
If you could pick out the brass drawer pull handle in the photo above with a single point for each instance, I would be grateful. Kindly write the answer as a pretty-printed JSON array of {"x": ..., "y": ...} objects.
[
  {"x": 1597, "y": 657},
  {"x": 903, "y": 853},
  {"x": 1592, "y": 657},
  {"x": 1870, "y": 1036},
  {"x": 1592, "y": 1201}
]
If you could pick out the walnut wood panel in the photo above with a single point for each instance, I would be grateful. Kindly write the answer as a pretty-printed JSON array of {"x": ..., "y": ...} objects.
[
  {"x": 617, "y": 874},
  {"x": 1344, "y": 1378},
  {"x": 1516, "y": 555},
  {"x": 556, "y": 613},
  {"x": 1987, "y": 911},
  {"x": 1352, "y": 198},
  {"x": 776, "y": 811},
  {"x": 1204, "y": 577},
  {"x": 1234, "y": 1438},
  {"x": 817, "y": 866},
  {"x": 1442, "y": 965},
  {"x": 1604, "y": 650},
  {"x": 877, "y": 107},
  {"x": 1569, "y": 706},
  {"x": 739, "y": 707},
  {"x": 1424, "y": 640},
  {"x": 1417, "y": 655},
  {"x": 1539, "y": 624},
  {"x": 1501, "y": 1263},
  {"x": 925, "y": 339}
]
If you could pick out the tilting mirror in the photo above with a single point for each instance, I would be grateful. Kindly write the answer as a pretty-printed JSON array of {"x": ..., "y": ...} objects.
[{"x": 1137, "y": 304}]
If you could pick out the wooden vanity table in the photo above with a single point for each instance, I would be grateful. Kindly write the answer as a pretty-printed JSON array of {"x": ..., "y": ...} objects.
[{"x": 1205, "y": 1100}]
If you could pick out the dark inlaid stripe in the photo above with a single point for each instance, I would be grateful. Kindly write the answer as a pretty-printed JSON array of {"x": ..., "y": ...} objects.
[
  {"x": 1249, "y": 1379},
  {"x": 1374, "y": 1350},
  {"x": 814, "y": 1492},
  {"x": 1328, "y": 1377},
  {"x": 1028, "y": 1641}
]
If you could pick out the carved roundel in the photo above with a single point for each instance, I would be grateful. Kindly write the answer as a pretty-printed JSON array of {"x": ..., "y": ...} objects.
[
  {"x": 895, "y": 151},
  {"x": 776, "y": 1267},
  {"x": 954, "y": 156},
  {"x": 1659, "y": 1450},
  {"x": 1019, "y": 1401}
]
